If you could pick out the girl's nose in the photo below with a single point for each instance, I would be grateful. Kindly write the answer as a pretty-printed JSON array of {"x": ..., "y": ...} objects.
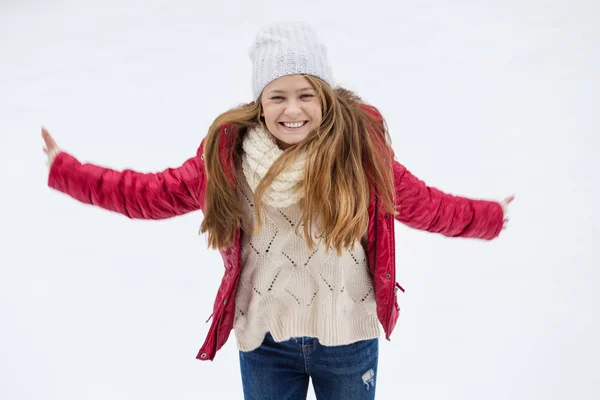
[{"x": 293, "y": 109}]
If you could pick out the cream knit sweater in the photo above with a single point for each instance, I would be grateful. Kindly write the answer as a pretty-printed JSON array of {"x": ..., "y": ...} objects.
[{"x": 285, "y": 288}]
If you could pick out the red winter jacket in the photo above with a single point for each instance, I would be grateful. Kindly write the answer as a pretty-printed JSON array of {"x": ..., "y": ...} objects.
[{"x": 177, "y": 191}]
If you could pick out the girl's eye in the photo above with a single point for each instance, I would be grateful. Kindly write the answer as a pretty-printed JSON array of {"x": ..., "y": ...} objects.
[
  {"x": 307, "y": 96},
  {"x": 276, "y": 98}
]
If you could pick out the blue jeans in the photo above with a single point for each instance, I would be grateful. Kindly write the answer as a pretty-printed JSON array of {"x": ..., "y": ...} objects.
[{"x": 281, "y": 371}]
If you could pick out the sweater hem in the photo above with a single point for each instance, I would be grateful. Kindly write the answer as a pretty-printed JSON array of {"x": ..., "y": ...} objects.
[{"x": 329, "y": 332}]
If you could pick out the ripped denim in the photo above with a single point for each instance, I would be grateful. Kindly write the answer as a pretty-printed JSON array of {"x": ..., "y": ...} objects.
[{"x": 281, "y": 371}]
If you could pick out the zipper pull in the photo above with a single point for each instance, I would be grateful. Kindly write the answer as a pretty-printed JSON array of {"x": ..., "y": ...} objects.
[{"x": 399, "y": 287}]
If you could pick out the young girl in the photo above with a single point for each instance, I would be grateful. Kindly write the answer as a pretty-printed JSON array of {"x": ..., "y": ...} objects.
[{"x": 299, "y": 191}]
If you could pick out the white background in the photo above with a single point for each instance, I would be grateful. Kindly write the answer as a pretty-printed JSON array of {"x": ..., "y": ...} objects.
[{"x": 482, "y": 99}]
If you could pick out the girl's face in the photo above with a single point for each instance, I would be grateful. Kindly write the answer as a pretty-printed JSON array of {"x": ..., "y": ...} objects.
[{"x": 291, "y": 109}]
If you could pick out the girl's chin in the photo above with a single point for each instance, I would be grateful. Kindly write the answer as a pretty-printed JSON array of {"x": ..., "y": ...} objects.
[{"x": 288, "y": 142}]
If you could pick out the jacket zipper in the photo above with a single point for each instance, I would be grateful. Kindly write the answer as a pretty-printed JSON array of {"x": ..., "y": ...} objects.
[
  {"x": 225, "y": 303},
  {"x": 375, "y": 253},
  {"x": 375, "y": 240},
  {"x": 393, "y": 287},
  {"x": 217, "y": 333}
]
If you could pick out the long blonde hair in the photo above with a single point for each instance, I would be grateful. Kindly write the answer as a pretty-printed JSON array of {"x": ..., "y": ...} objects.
[{"x": 347, "y": 157}]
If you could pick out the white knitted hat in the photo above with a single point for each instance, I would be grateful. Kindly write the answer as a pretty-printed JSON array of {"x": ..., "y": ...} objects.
[{"x": 287, "y": 48}]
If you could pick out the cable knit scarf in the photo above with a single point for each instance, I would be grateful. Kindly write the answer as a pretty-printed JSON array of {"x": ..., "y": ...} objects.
[{"x": 260, "y": 152}]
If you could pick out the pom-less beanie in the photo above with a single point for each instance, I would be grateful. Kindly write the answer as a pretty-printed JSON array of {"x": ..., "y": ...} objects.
[{"x": 287, "y": 48}]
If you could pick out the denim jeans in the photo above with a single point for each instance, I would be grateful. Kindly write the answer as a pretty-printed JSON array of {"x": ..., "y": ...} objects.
[{"x": 281, "y": 371}]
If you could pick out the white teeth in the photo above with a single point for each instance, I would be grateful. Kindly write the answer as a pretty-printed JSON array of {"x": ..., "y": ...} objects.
[{"x": 293, "y": 124}]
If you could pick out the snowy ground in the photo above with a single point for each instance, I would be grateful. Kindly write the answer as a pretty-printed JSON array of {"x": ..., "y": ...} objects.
[{"x": 482, "y": 99}]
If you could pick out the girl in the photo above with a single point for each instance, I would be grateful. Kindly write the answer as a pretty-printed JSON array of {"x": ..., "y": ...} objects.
[{"x": 299, "y": 191}]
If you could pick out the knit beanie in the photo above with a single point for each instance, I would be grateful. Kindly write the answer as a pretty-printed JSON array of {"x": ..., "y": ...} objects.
[{"x": 287, "y": 48}]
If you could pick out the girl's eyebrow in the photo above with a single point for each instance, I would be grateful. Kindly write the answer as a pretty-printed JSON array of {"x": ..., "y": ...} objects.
[{"x": 297, "y": 91}]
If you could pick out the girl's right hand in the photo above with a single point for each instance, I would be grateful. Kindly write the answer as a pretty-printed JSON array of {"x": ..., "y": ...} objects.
[
  {"x": 50, "y": 148},
  {"x": 50, "y": 144}
]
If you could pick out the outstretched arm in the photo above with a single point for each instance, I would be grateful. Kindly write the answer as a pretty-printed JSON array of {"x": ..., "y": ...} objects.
[
  {"x": 166, "y": 194},
  {"x": 427, "y": 208}
]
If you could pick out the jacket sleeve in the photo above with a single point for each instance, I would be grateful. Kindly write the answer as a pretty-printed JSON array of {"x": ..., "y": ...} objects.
[
  {"x": 137, "y": 195},
  {"x": 429, "y": 209}
]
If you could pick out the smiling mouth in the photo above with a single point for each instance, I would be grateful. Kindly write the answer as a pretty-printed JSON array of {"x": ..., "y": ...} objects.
[{"x": 293, "y": 125}]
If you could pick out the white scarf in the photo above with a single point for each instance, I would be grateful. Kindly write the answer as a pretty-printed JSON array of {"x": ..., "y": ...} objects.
[{"x": 260, "y": 152}]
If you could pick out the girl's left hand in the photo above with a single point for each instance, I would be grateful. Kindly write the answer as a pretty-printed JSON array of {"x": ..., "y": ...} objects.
[{"x": 504, "y": 203}]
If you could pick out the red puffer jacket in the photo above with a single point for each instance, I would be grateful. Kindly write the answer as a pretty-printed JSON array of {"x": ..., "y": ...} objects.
[{"x": 177, "y": 191}]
